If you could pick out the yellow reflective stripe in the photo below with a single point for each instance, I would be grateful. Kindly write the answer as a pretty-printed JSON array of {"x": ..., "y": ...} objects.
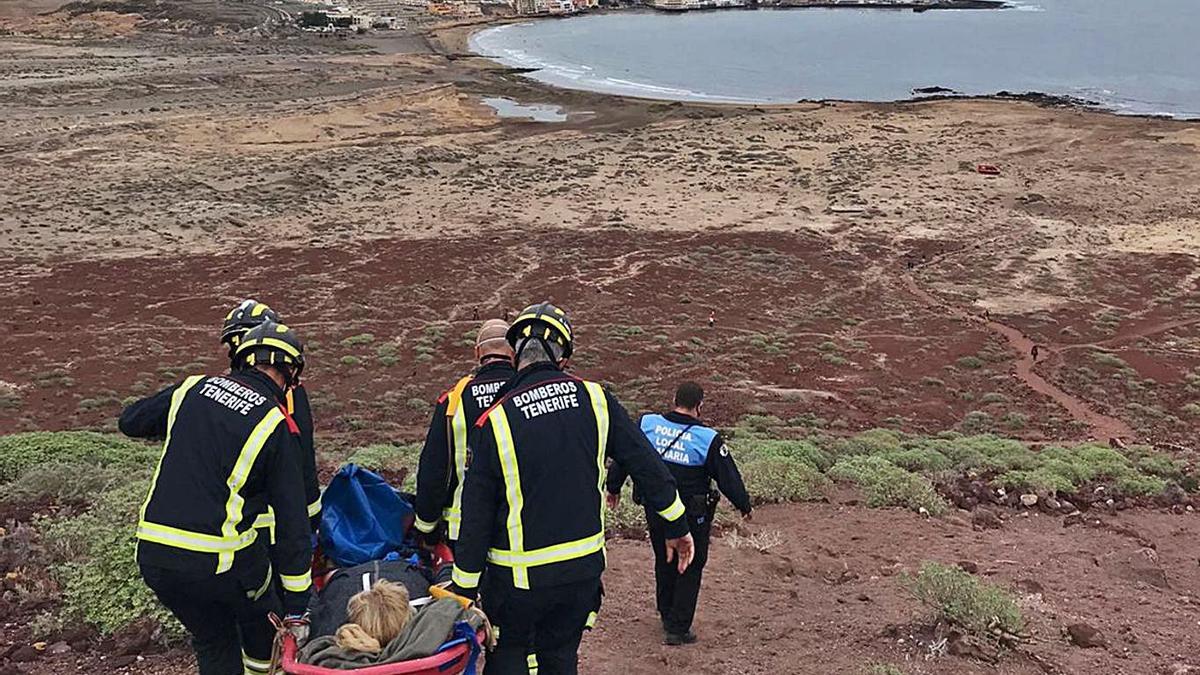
[
  {"x": 237, "y": 478},
  {"x": 270, "y": 342},
  {"x": 459, "y": 424},
  {"x": 465, "y": 579},
  {"x": 193, "y": 541},
  {"x": 532, "y": 664},
  {"x": 551, "y": 554},
  {"x": 255, "y": 666},
  {"x": 512, "y": 491},
  {"x": 296, "y": 583},
  {"x": 291, "y": 402},
  {"x": 265, "y": 520},
  {"x": 176, "y": 401},
  {"x": 591, "y": 620},
  {"x": 548, "y": 319},
  {"x": 315, "y": 507},
  {"x": 600, "y": 410},
  {"x": 424, "y": 525},
  {"x": 254, "y": 595},
  {"x": 674, "y": 511}
]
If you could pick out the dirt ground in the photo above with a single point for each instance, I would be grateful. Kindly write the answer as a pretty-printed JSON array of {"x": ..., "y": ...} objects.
[{"x": 163, "y": 161}]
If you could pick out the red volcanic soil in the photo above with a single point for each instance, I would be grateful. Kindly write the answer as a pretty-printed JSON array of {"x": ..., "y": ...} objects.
[{"x": 847, "y": 337}]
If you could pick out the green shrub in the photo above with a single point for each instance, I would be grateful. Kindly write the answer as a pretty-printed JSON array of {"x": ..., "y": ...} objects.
[
  {"x": 872, "y": 442},
  {"x": 799, "y": 450},
  {"x": 1109, "y": 360},
  {"x": 628, "y": 516},
  {"x": 358, "y": 340},
  {"x": 993, "y": 397},
  {"x": 976, "y": 421},
  {"x": 350, "y": 360},
  {"x": 919, "y": 459},
  {"x": 779, "y": 479},
  {"x": 885, "y": 484},
  {"x": 95, "y": 552},
  {"x": 1191, "y": 409},
  {"x": 970, "y": 362},
  {"x": 1137, "y": 485},
  {"x": 883, "y": 669},
  {"x": 64, "y": 482},
  {"x": 964, "y": 600},
  {"x": 385, "y": 457},
  {"x": 22, "y": 452}
]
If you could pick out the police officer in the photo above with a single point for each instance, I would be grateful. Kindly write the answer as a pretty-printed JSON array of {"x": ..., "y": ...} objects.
[
  {"x": 444, "y": 457},
  {"x": 533, "y": 503},
  {"x": 229, "y": 454},
  {"x": 695, "y": 455},
  {"x": 248, "y": 314}
]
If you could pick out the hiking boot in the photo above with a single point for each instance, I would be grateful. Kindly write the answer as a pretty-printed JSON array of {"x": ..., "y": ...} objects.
[{"x": 677, "y": 639}]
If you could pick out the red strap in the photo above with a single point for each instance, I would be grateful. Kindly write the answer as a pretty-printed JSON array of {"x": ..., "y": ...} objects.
[{"x": 292, "y": 426}]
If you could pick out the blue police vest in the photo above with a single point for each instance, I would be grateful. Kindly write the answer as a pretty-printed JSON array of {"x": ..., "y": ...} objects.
[{"x": 689, "y": 449}]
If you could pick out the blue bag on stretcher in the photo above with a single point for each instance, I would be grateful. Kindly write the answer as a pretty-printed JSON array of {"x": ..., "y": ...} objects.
[{"x": 362, "y": 517}]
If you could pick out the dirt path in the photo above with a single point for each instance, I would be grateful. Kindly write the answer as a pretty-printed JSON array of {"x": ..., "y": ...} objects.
[{"x": 1102, "y": 427}]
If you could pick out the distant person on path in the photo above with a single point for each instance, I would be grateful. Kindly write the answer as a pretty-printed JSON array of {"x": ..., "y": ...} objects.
[
  {"x": 445, "y": 457},
  {"x": 533, "y": 503},
  {"x": 695, "y": 455},
  {"x": 1034, "y": 352},
  {"x": 712, "y": 318},
  {"x": 229, "y": 455}
]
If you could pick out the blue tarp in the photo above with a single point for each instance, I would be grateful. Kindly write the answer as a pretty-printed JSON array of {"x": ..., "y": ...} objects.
[{"x": 362, "y": 517}]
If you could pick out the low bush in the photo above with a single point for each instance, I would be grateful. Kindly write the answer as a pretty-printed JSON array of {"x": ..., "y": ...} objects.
[
  {"x": 779, "y": 479},
  {"x": 95, "y": 552},
  {"x": 885, "y": 484},
  {"x": 385, "y": 457},
  {"x": 22, "y": 452},
  {"x": 964, "y": 600}
]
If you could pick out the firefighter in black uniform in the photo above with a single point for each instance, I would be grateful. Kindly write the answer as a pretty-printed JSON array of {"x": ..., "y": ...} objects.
[
  {"x": 444, "y": 458},
  {"x": 695, "y": 455},
  {"x": 239, "y": 320},
  {"x": 533, "y": 503},
  {"x": 229, "y": 453}
]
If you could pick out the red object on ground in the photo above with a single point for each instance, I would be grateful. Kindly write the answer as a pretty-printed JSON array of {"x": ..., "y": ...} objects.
[
  {"x": 988, "y": 169},
  {"x": 453, "y": 661}
]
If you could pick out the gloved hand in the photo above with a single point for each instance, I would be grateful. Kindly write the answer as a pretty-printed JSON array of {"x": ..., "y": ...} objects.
[{"x": 297, "y": 626}]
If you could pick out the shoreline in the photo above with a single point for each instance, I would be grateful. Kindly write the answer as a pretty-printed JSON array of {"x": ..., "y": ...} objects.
[{"x": 453, "y": 42}]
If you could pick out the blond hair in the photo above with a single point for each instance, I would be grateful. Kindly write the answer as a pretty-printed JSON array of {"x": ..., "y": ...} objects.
[{"x": 375, "y": 617}]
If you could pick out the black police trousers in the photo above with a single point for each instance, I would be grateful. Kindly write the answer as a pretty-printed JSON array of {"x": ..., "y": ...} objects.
[
  {"x": 542, "y": 626},
  {"x": 227, "y": 616},
  {"x": 676, "y": 593}
]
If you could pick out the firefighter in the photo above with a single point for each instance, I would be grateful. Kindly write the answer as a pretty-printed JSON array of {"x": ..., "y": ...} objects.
[
  {"x": 239, "y": 320},
  {"x": 229, "y": 453},
  {"x": 695, "y": 454},
  {"x": 444, "y": 458},
  {"x": 533, "y": 502}
]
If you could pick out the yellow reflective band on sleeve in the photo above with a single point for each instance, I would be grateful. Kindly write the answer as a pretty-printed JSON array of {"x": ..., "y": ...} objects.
[
  {"x": 674, "y": 511},
  {"x": 465, "y": 579},
  {"x": 237, "y": 479},
  {"x": 424, "y": 525},
  {"x": 255, "y": 666},
  {"x": 315, "y": 507},
  {"x": 291, "y": 402},
  {"x": 591, "y": 620},
  {"x": 296, "y": 583},
  {"x": 193, "y": 541},
  {"x": 545, "y": 556},
  {"x": 600, "y": 410},
  {"x": 265, "y": 520},
  {"x": 512, "y": 491},
  {"x": 532, "y": 664},
  {"x": 458, "y": 424},
  {"x": 176, "y": 401}
]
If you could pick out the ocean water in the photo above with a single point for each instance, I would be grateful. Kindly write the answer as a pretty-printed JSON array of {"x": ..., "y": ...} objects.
[{"x": 1130, "y": 56}]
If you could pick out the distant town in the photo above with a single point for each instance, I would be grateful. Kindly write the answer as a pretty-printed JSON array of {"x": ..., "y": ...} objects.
[{"x": 364, "y": 15}]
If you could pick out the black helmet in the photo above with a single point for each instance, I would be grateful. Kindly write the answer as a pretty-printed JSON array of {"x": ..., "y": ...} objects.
[
  {"x": 274, "y": 344},
  {"x": 545, "y": 322},
  {"x": 247, "y": 315}
]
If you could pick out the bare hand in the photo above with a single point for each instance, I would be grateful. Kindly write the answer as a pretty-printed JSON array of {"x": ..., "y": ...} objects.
[
  {"x": 612, "y": 500},
  {"x": 681, "y": 551}
]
